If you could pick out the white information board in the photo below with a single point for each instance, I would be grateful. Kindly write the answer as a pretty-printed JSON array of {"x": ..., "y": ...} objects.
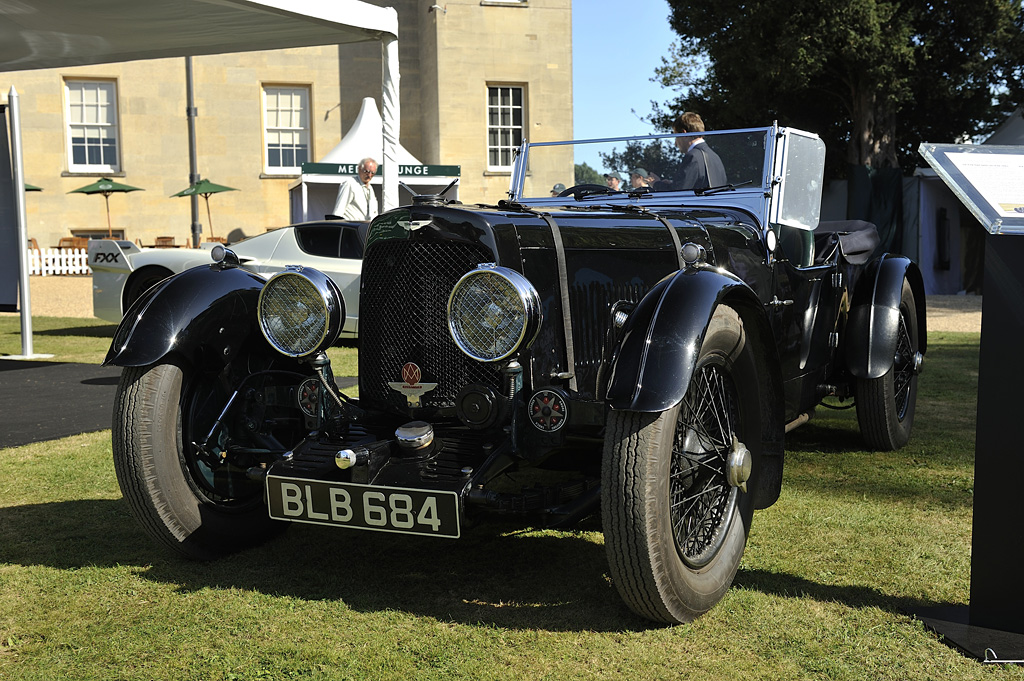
[{"x": 988, "y": 179}]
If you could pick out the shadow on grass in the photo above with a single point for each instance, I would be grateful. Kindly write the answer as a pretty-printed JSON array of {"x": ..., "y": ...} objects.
[
  {"x": 791, "y": 586},
  {"x": 825, "y": 461},
  {"x": 827, "y": 456},
  {"x": 522, "y": 580},
  {"x": 527, "y": 580},
  {"x": 102, "y": 331}
]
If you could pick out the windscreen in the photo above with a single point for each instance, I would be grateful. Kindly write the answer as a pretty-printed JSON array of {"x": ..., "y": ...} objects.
[
  {"x": 654, "y": 164},
  {"x": 799, "y": 203}
]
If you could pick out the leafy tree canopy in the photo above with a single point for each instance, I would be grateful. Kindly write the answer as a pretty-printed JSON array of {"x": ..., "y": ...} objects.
[
  {"x": 587, "y": 175},
  {"x": 874, "y": 78},
  {"x": 659, "y": 157}
]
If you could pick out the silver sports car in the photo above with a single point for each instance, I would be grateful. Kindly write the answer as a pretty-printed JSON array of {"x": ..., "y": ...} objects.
[{"x": 122, "y": 271}]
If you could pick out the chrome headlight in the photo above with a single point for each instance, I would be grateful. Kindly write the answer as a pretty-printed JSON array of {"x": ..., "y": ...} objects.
[
  {"x": 300, "y": 311},
  {"x": 492, "y": 312}
]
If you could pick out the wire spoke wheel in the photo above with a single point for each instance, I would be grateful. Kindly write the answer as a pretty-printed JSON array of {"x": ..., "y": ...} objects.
[
  {"x": 885, "y": 405},
  {"x": 903, "y": 368},
  {"x": 701, "y": 499},
  {"x": 213, "y": 474},
  {"x": 674, "y": 504}
]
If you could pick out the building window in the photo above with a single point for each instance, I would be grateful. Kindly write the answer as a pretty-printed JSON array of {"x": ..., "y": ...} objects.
[
  {"x": 92, "y": 126},
  {"x": 504, "y": 125},
  {"x": 286, "y": 121}
]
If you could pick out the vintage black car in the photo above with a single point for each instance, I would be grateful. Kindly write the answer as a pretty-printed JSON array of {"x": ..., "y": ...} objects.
[{"x": 641, "y": 354}]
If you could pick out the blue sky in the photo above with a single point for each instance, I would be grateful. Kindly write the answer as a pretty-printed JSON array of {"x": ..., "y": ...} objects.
[{"x": 615, "y": 49}]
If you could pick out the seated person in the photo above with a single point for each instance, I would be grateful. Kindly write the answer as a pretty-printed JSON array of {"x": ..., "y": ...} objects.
[
  {"x": 613, "y": 180},
  {"x": 638, "y": 178},
  {"x": 701, "y": 168}
]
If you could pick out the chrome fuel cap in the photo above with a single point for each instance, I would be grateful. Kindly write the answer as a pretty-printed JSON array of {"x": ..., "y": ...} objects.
[{"x": 415, "y": 435}]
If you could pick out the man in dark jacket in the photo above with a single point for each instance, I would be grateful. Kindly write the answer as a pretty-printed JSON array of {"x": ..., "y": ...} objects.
[{"x": 701, "y": 168}]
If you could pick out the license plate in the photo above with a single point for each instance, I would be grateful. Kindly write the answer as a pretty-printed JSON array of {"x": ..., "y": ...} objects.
[{"x": 364, "y": 507}]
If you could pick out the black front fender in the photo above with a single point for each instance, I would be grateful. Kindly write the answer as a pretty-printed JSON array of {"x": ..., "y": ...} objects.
[
  {"x": 658, "y": 350},
  {"x": 205, "y": 312},
  {"x": 657, "y": 354},
  {"x": 871, "y": 332}
]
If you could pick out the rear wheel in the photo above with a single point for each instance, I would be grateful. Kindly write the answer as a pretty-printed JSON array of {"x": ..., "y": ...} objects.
[
  {"x": 674, "y": 506},
  {"x": 885, "y": 405},
  {"x": 184, "y": 499}
]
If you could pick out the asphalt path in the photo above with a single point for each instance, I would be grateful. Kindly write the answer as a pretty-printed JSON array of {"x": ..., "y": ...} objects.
[
  {"x": 48, "y": 400},
  {"x": 42, "y": 401}
]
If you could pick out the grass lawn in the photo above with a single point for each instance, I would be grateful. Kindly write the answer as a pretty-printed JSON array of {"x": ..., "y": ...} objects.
[
  {"x": 68, "y": 339},
  {"x": 856, "y": 541},
  {"x": 76, "y": 339}
]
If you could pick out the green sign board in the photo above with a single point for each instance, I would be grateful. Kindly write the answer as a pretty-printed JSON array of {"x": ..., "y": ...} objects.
[{"x": 403, "y": 170}]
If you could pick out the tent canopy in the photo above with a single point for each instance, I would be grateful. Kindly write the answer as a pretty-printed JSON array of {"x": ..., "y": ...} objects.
[
  {"x": 313, "y": 195},
  {"x": 1011, "y": 131},
  {"x": 364, "y": 139},
  {"x": 39, "y": 34}
]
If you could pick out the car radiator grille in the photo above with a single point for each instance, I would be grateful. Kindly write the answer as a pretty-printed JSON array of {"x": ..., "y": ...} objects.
[
  {"x": 591, "y": 305},
  {"x": 404, "y": 318}
]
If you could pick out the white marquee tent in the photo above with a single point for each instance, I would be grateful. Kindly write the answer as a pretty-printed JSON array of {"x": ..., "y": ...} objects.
[
  {"x": 38, "y": 34},
  {"x": 54, "y": 33},
  {"x": 314, "y": 193}
]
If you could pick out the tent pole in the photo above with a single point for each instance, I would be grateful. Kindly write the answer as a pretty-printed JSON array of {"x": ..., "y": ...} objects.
[
  {"x": 391, "y": 119},
  {"x": 193, "y": 174},
  {"x": 18, "y": 172},
  {"x": 19, "y": 210}
]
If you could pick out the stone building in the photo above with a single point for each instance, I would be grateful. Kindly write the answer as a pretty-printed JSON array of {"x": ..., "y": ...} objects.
[{"x": 476, "y": 78}]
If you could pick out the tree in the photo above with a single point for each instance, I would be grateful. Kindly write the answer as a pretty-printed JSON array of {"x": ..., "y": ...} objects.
[
  {"x": 874, "y": 78},
  {"x": 659, "y": 156},
  {"x": 587, "y": 175}
]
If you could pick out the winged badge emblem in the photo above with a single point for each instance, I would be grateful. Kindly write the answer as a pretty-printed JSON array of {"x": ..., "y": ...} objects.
[{"x": 410, "y": 385}]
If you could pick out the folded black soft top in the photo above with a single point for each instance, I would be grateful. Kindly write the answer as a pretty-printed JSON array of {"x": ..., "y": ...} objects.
[{"x": 858, "y": 239}]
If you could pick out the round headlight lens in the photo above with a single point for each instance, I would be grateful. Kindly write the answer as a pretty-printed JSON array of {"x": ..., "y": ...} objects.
[
  {"x": 300, "y": 311},
  {"x": 492, "y": 312}
]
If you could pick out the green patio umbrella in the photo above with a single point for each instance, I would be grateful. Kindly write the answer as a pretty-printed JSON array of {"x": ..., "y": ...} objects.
[
  {"x": 204, "y": 188},
  {"x": 32, "y": 188},
  {"x": 105, "y": 186}
]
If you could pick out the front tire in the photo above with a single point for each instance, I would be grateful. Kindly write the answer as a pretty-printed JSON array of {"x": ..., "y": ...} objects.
[
  {"x": 885, "y": 405},
  {"x": 675, "y": 518},
  {"x": 198, "y": 510}
]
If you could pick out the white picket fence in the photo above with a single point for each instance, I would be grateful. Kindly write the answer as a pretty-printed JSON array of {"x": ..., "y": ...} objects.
[{"x": 48, "y": 261}]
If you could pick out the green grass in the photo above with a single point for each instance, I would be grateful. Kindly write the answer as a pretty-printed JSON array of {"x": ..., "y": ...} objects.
[
  {"x": 68, "y": 339},
  {"x": 856, "y": 541},
  {"x": 74, "y": 339}
]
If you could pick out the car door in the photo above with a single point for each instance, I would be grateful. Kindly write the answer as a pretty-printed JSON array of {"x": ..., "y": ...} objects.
[
  {"x": 804, "y": 308},
  {"x": 333, "y": 247},
  {"x": 805, "y": 323}
]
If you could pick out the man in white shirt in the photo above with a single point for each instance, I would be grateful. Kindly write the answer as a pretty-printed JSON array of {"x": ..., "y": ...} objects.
[{"x": 356, "y": 200}]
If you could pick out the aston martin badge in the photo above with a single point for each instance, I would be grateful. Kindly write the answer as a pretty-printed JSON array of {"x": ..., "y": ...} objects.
[{"x": 411, "y": 386}]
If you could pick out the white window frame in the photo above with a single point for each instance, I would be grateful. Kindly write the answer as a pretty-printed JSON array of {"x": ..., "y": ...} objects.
[
  {"x": 274, "y": 128},
  {"x": 501, "y": 123},
  {"x": 91, "y": 116}
]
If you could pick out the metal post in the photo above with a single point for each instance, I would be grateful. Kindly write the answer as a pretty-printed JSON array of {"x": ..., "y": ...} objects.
[
  {"x": 17, "y": 166},
  {"x": 18, "y": 177},
  {"x": 193, "y": 175},
  {"x": 391, "y": 121}
]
